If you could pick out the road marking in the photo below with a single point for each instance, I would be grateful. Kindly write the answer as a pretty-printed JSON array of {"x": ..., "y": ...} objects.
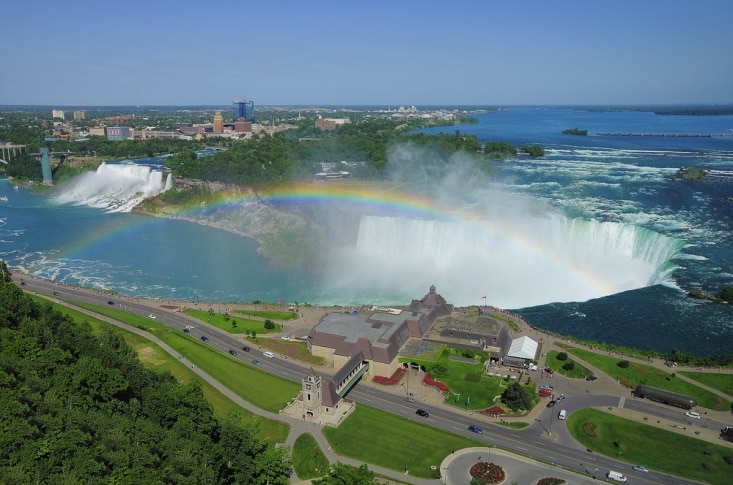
[{"x": 621, "y": 402}]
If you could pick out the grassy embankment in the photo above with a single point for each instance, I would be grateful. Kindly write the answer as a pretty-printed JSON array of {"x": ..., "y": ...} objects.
[
  {"x": 655, "y": 448},
  {"x": 637, "y": 373},
  {"x": 308, "y": 458},
  {"x": 402, "y": 442},
  {"x": 230, "y": 324},
  {"x": 579, "y": 371}
]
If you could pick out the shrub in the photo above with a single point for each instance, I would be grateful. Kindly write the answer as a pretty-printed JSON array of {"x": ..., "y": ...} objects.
[
  {"x": 568, "y": 366},
  {"x": 623, "y": 364},
  {"x": 551, "y": 481},
  {"x": 562, "y": 356},
  {"x": 269, "y": 324}
]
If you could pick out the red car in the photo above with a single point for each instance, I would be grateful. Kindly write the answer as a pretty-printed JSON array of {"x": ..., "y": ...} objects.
[{"x": 545, "y": 393}]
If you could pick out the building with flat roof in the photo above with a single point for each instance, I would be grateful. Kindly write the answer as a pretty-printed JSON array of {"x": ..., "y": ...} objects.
[
  {"x": 377, "y": 333},
  {"x": 244, "y": 110}
]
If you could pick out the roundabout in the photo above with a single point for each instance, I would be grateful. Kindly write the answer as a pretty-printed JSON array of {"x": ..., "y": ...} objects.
[{"x": 456, "y": 468}]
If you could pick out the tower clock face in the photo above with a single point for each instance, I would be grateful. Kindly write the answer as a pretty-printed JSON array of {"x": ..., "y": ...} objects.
[{"x": 308, "y": 386}]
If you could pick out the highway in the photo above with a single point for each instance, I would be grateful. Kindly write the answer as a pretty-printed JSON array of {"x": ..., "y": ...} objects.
[{"x": 546, "y": 439}]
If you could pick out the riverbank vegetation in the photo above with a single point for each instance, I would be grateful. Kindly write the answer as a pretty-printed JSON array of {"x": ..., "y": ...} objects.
[{"x": 692, "y": 174}]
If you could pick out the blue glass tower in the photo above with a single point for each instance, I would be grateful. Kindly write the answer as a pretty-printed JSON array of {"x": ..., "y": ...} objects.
[{"x": 244, "y": 109}]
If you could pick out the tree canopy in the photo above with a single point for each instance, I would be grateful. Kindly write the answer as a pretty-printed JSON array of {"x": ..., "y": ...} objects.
[{"x": 80, "y": 408}]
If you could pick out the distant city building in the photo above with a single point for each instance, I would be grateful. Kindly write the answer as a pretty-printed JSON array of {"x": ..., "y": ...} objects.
[
  {"x": 328, "y": 124},
  {"x": 218, "y": 123},
  {"x": 57, "y": 113},
  {"x": 118, "y": 132},
  {"x": 148, "y": 134},
  {"x": 242, "y": 126},
  {"x": 97, "y": 131},
  {"x": 243, "y": 109},
  {"x": 80, "y": 115},
  {"x": 118, "y": 120}
]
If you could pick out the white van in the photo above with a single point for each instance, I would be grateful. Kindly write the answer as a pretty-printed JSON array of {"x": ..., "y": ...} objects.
[
  {"x": 268, "y": 354},
  {"x": 562, "y": 414},
  {"x": 616, "y": 476}
]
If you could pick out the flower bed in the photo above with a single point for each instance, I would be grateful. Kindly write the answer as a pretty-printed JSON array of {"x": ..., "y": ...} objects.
[
  {"x": 494, "y": 411},
  {"x": 488, "y": 473},
  {"x": 429, "y": 381},
  {"x": 391, "y": 381},
  {"x": 551, "y": 481}
]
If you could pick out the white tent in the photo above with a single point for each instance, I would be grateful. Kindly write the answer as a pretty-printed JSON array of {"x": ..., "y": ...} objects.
[{"x": 523, "y": 348}]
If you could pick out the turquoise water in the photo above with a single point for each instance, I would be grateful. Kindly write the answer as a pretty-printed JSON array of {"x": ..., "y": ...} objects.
[{"x": 608, "y": 211}]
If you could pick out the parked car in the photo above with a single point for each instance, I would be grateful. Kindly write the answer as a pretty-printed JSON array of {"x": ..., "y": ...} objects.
[
  {"x": 233, "y": 352},
  {"x": 561, "y": 397},
  {"x": 562, "y": 415},
  {"x": 422, "y": 412},
  {"x": 640, "y": 468},
  {"x": 692, "y": 414},
  {"x": 545, "y": 393},
  {"x": 547, "y": 386},
  {"x": 591, "y": 378},
  {"x": 245, "y": 348},
  {"x": 409, "y": 399},
  {"x": 551, "y": 403},
  {"x": 475, "y": 429},
  {"x": 204, "y": 338}
]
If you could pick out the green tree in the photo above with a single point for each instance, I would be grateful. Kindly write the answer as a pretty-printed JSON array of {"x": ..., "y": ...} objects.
[
  {"x": 269, "y": 324},
  {"x": 516, "y": 397},
  {"x": 726, "y": 294}
]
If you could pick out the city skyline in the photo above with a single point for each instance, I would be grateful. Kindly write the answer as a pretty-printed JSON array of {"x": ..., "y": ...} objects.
[{"x": 331, "y": 53}]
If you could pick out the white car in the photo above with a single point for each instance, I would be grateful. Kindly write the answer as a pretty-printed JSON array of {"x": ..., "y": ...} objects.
[
  {"x": 152, "y": 316},
  {"x": 692, "y": 414},
  {"x": 268, "y": 354}
]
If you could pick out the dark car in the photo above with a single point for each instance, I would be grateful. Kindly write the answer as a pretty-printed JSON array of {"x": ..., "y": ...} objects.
[
  {"x": 245, "y": 348},
  {"x": 255, "y": 362},
  {"x": 110, "y": 302},
  {"x": 591, "y": 378},
  {"x": 204, "y": 338},
  {"x": 55, "y": 293},
  {"x": 475, "y": 429},
  {"x": 233, "y": 352},
  {"x": 422, "y": 412},
  {"x": 551, "y": 403}
]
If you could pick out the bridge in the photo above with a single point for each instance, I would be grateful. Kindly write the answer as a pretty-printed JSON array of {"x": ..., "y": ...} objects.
[
  {"x": 348, "y": 375},
  {"x": 7, "y": 149},
  {"x": 668, "y": 135}
]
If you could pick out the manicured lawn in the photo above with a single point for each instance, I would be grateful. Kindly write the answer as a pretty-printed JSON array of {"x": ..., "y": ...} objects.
[
  {"x": 292, "y": 348},
  {"x": 152, "y": 356},
  {"x": 308, "y": 458},
  {"x": 655, "y": 448},
  {"x": 465, "y": 380},
  {"x": 721, "y": 382},
  {"x": 579, "y": 371},
  {"x": 638, "y": 373},
  {"x": 235, "y": 325},
  {"x": 271, "y": 314},
  {"x": 383, "y": 439}
]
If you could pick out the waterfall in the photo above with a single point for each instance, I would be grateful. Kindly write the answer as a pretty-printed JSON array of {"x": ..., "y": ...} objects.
[
  {"x": 113, "y": 187},
  {"x": 516, "y": 263}
]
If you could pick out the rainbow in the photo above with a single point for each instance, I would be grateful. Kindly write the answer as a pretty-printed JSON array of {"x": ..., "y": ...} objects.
[{"x": 397, "y": 200}]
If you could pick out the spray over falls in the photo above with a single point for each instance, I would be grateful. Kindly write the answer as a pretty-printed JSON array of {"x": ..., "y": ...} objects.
[
  {"x": 514, "y": 263},
  {"x": 114, "y": 187}
]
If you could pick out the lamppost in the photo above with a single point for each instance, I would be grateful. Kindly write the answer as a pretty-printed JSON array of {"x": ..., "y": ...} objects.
[{"x": 543, "y": 426}]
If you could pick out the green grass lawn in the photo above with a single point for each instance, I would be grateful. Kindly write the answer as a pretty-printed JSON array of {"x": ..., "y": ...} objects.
[
  {"x": 721, "y": 382},
  {"x": 153, "y": 357},
  {"x": 383, "y": 439},
  {"x": 579, "y": 370},
  {"x": 638, "y": 373},
  {"x": 655, "y": 448},
  {"x": 308, "y": 458},
  {"x": 271, "y": 314},
  {"x": 232, "y": 324},
  {"x": 466, "y": 380}
]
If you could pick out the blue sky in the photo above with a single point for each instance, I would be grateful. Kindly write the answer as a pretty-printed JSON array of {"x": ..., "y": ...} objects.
[{"x": 394, "y": 53}]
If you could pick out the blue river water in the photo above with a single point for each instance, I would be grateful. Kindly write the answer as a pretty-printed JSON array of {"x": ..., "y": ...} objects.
[{"x": 622, "y": 191}]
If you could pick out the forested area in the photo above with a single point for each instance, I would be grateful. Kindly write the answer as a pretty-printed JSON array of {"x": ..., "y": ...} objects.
[
  {"x": 284, "y": 157},
  {"x": 80, "y": 408}
]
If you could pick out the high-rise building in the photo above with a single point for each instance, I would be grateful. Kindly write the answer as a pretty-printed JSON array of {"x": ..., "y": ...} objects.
[
  {"x": 218, "y": 123},
  {"x": 80, "y": 115},
  {"x": 57, "y": 113},
  {"x": 243, "y": 109}
]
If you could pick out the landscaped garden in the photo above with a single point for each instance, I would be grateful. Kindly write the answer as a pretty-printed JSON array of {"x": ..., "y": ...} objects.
[
  {"x": 562, "y": 364},
  {"x": 638, "y": 443},
  {"x": 234, "y": 324}
]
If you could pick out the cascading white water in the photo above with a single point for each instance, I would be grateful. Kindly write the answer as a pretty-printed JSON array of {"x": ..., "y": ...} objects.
[
  {"x": 514, "y": 263},
  {"x": 114, "y": 187}
]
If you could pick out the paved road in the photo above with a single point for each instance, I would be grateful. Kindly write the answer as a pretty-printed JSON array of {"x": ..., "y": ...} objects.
[{"x": 545, "y": 439}]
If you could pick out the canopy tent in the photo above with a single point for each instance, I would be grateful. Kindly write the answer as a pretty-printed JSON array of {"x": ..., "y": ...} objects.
[{"x": 523, "y": 348}]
